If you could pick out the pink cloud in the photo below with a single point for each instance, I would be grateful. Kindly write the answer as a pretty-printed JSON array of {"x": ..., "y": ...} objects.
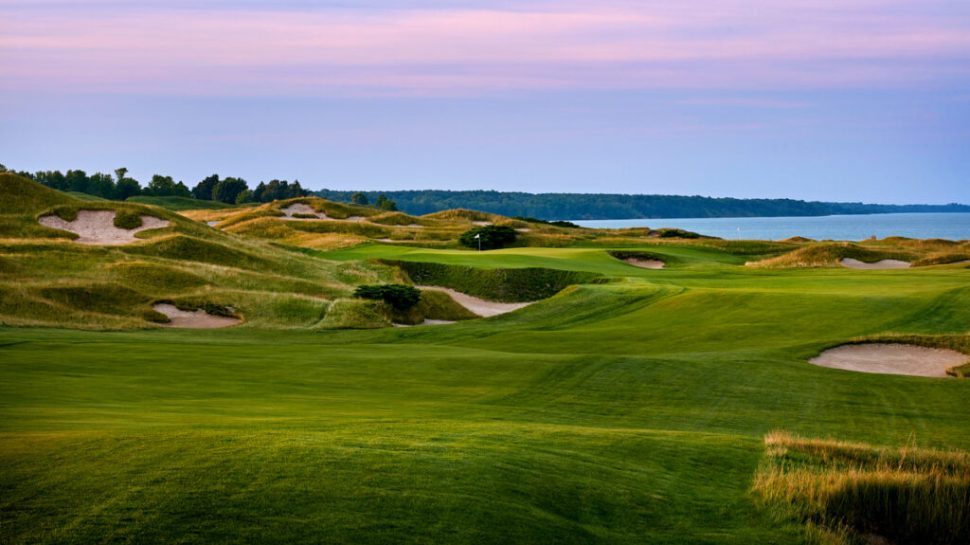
[{"x": 733, "y": 44}]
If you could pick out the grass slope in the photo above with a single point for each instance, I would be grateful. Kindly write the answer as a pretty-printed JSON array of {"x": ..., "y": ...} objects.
[{"x": 626, "y": 411}]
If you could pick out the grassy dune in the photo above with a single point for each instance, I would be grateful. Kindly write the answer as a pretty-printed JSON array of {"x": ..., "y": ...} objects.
[{"x": 631, "y": 408}]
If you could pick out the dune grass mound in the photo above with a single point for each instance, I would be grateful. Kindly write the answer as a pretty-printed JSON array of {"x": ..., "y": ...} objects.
[
  {"x": 851, "y": 493},
  {"x": 836, "y": 255}
]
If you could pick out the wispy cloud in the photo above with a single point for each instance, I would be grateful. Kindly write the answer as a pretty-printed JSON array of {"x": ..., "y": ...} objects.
[{"x": 732, "y": 44}]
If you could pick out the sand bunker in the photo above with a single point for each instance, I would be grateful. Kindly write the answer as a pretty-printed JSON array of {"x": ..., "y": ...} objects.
[
  {"x": 481, "y": 307},
  {"x": 481, "y": 223},
  {"x": 645, "y": 263},
  {"x": 426, "y": 322},
  {"x": 891, "y": 358},
  {"x": 883, "y": 264},
  {"x": 97, "y": 227},
  {"x": 303, "y": 210},
  {"x": 198, "y": 319}
]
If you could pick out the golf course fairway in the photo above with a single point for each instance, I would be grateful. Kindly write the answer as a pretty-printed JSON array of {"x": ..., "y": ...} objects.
[{"x": 631, "y": 410}]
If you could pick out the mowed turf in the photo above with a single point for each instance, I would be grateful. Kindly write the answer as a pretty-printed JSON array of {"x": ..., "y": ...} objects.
[{"x": 631, "y": 411}]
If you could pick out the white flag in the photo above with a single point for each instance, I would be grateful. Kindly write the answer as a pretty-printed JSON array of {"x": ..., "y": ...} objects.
[{"x": 479, "y": 235}]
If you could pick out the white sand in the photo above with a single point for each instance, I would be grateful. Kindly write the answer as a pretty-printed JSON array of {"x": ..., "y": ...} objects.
[
  {"x": 302, "y": 209},
  {"x": 481, "y": 307},
  {"x": 883, "y": 264},
  {"x": 426, "y": 322},
  {"x": 481, "y": 223},
  {"x": 97, "y": 227},
  {"x": 891, "y": 358},
  {"x": 211, "y": 223},
  {"x": 198, "y": 319},
  {"x": 645, "y": 263}
]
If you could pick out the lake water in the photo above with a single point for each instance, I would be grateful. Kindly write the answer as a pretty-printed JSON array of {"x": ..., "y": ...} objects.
[{"x": 856, "y": 227}]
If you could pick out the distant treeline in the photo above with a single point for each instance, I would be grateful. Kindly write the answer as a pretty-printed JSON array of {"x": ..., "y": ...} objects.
[
  {"x": 121, "y": 186},
  {"x": 593, "y": 206}
]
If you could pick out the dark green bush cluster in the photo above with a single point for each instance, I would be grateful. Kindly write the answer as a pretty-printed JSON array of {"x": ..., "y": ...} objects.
[
  {"x": 492, "y": 237},
  {"x": 557, "y": 223},
  {"x": 127, "y": 219},
  {"x": 677, "y": 233},
  {"x": 636, "y": 254},
  {"x": 399, "y": 296}
]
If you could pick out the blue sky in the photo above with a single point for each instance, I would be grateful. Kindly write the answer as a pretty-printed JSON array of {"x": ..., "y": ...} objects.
[{"x": 861, "y": 100}]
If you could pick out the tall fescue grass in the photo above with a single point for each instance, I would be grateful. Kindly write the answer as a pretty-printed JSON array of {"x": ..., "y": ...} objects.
[{"x": 846, "y": 492}]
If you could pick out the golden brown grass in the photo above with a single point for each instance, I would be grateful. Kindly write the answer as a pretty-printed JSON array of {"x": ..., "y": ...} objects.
[{"x": 850, "y": 492}]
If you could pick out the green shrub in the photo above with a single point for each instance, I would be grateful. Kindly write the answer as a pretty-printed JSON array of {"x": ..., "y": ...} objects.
[
  {"x": 399, "y": 296},
  {"x": 127, "y": 219},
  {"x": 488, "y": 237},
  {"x": 677, "y": 233},
  {"x": 556, "y": 223}
]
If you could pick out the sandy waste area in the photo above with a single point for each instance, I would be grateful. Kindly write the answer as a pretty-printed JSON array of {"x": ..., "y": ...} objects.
[
  {"x": 891, "y": 358},
  {"x": 645, "y": 263},
  {"x": 97, "y": 227},
  {"x": 882, "y": 264},
  {"x": 479, "y": 306},
  {"x": 198, "y": 319}
]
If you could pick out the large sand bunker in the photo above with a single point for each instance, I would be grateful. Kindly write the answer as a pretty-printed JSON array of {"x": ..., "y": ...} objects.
[
  {"x": 300, "y": 209},
  {"x": 198, "y": 319},
  {"x": 891, "y": 358},
  {"x": 645, "y": 263},
  {"x": 481, "y": 307},
  {"x": 882, "y": 264},
  {"x": 97, "y": 227},
  {"x": 305, "y": 212}
]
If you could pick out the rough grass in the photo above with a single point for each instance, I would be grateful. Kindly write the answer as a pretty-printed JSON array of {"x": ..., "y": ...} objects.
[
  {"x": 906, "y": 495},
  {"x": 178, "y": 204},
  {"x": 507, "y": 285}
]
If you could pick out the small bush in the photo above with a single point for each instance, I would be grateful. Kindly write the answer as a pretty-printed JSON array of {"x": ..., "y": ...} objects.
[
  {"x": 127, "y": 219},
  {"x": 491, "y": 237},
  {"x": 399, "y": 296}
]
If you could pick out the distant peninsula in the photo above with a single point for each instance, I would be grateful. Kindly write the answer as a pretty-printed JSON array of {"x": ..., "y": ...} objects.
[{"x": 597, "y": 206}]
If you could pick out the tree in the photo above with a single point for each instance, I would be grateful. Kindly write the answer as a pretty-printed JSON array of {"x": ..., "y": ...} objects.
[
  {"x": 491, "y": 237},
  {"x": 120, "y": 173},
  {"x": 359, "y": 198},
  {"x": 399, "y": 296},
  {"x": 127, "y": 187},
  {"x": 229, "y": 189},
  {"x": 384, "y": 203},
  {"x": 162, "y": 186},
  {"x": 77, "y": 180},
  {"x": 203, "y": 189},
  {"x": 102, "y": 185},
  {"x": 245, "y": 197}
]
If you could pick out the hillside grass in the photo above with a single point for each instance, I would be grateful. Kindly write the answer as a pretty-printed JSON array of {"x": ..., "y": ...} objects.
[{"x": 178, "y": 204}]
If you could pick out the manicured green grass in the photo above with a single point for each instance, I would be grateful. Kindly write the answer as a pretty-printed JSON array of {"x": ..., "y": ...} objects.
[
  {"x": 627, "y": 409},
  {"x": 626, "y": 412}
]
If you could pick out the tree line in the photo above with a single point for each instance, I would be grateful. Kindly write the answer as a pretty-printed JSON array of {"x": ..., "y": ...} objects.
[
  {"x": 593, "y": 206},
  {"x": 120, "y": 186}
]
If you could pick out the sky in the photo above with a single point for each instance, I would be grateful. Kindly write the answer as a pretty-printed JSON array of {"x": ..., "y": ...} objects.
[{"x": 836, "y": 100}]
